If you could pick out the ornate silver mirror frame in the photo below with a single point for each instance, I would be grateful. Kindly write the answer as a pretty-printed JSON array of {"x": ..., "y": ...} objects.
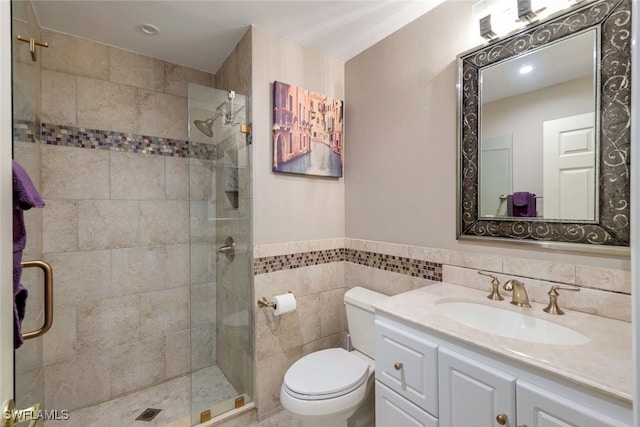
[{"x": 612, "y": 228}]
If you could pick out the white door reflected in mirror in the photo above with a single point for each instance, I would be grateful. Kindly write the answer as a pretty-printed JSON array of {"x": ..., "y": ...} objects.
[{"x": 569, "y": 167}]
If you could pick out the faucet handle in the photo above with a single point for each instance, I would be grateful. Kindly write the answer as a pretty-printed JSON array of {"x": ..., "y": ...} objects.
[
  {"x": 495, "y": 284},
  {"x": 553, "y": 307}
]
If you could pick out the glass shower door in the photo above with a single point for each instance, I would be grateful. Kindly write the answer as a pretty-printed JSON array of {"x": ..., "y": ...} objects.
[
  {"x": 220, "y": 248},
  {"x": 29, "y": 373}
]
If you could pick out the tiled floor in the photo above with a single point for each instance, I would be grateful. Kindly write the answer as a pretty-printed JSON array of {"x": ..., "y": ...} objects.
[{"x": 172, "y": 397}]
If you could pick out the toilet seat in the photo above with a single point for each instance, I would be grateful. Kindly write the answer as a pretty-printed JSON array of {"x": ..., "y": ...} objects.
[{"x": 325, "y": 374}]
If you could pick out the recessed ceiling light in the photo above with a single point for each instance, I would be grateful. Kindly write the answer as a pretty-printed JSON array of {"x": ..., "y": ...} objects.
[
  {"x": 149, "y": 29},
  {"x": 526, "y": 69}
]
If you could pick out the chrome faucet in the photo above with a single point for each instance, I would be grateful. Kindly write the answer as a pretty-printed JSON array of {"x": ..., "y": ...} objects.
[{"x": 519, "y": 296}]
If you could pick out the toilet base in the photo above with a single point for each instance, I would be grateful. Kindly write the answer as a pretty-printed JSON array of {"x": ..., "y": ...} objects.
[{"x": 363, "y": 416}]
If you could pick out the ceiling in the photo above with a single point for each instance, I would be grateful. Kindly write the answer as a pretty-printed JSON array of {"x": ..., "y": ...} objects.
[{"x": 201, "y": 34}]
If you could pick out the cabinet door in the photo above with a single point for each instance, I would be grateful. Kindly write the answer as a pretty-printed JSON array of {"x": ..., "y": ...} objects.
[
  {"x": 541, "y": 408},
  {"x": 407, "y": 364},
  {"x": 393, "y": 410},
  {"x": 472, "y": 394}
]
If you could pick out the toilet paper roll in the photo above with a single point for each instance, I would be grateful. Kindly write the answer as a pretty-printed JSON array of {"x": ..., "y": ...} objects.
[{"x": 284, "y": 303}]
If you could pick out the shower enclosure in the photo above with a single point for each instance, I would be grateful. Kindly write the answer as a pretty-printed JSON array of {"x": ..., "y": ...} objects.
[
  {"x": 220, "y": 246},
  {"x": 149, "y": 239}
]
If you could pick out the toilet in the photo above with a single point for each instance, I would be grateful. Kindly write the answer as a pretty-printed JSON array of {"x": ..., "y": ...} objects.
[{"x": 334, "y": 387}]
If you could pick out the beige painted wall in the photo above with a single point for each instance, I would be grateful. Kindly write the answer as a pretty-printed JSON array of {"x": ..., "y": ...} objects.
[
  {"x": 400, "y": 169},
  {"x": 291, "y": 207}
]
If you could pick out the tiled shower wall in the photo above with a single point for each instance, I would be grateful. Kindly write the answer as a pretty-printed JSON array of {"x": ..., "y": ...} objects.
[
  {"x": 319, "y": 272},
  {"x": 116, "y": 224}
]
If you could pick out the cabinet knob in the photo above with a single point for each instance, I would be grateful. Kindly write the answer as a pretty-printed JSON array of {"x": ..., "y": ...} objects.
[
  {"x": 501, "y": 419},
  {"x": 397, "y": 366}
]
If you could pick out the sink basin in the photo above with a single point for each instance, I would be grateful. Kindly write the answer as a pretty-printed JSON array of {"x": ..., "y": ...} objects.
[{"x": 510, "y": 324}]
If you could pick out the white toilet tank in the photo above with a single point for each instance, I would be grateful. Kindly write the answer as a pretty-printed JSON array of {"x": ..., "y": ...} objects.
[{"x": 360, "y": 318}]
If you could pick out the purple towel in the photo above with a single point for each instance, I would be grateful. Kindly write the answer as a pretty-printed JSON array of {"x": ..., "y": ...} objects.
[
  {"x": 25, "y": 196},
  {"x": 522, "y": 204}
]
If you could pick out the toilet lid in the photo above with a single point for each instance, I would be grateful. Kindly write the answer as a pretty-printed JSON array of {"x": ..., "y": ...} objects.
[{"x": 325, "y": 374}]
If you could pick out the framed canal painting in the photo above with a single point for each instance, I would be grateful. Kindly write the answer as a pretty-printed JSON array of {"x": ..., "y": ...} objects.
[{"x": 308, "y": 132}]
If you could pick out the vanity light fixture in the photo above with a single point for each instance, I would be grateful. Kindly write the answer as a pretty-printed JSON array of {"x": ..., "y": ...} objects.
[
  {"x": 485, "y": 28},
  {"x": 525, "y": 12},
  {"x": 500, "y": 17}
]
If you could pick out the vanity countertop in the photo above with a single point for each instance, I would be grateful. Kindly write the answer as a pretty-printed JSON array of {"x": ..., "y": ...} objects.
[{"x": 603, "y": 364}]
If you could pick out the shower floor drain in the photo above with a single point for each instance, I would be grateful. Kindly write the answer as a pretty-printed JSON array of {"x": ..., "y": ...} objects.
[{"x": 148, "y": 414}]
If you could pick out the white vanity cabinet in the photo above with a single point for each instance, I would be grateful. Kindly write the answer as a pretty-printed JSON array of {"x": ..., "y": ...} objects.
[
  {"x": 443, "y": 382},
  {"x": 473, "y": 394},
  {"x": 406, "y": 377}
]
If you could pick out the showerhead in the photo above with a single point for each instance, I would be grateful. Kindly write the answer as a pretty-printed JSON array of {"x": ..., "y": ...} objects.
[{"x": 206, "y": 126}]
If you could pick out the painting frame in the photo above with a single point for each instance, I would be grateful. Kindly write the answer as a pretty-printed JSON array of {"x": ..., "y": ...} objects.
[{"x": 308, "y": 132}]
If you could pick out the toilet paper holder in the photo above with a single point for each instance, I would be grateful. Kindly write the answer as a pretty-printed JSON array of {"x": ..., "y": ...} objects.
[{"x": 264, "y": 303}]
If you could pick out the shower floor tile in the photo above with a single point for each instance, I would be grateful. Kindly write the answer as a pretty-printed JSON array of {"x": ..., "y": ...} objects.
[{"x": 209, "y": 386}]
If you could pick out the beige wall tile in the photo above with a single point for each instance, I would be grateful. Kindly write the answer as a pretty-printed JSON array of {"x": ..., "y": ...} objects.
[
  {"x": 332, "y": 312},
  {"x": 203, "y": 268},
  {"x": 24, "y": 92},
  {"x": 357, "y": 275},
  {"x": 564, "y": 273},
  {"x": 105, "y": 224},
  {"x": 58, "y": 98},
  {"x": 392, "y": 249},
  {"x": 140, "y": 269},
  {"x": 60, "y": 226},
  {"x": 106, "y": 106},
  {"x": 203, "y": 303},
  {"x": 162, "y": 115},
  {"x": 603, "y": 278},
  {"x": 75, "y": 55},
  {"x": 442, "y": 256},
  {"x": 164, "y": 312},
  {"x": 80, "y": 276},
  {"x": 269, "y": 376},
  {"x": 177, "y": 178},
  {"x": 272, "y": 249},
  {"x": 28, "y": 357},
  {"x": 60, "y": 340},
  {"x": 177, "y": 79},
  {"x": 304, "y": 246},
  {"x": 137, "y": 176},
  {"x": 203, "y": 346},
  {"x": 476, "y": 260},
  {"x": 135, "y": 70},
  {"x": 137, "y": 365},
  {"x": 66, "y": 385},
  {"x": 202, "y": 228},
  {"x": 178, "y": 273},
  {"x": 106, "y": 323},
  {"x": 390, "y": 283},
  {"x": 319, "y": 278},
  {"x": 74, "y": 173},
  {"x": 164, "y": 222},
  {"x": 327, "y": 244}
]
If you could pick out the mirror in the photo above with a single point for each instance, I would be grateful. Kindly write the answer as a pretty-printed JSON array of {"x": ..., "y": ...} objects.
[
  {"x": 538, "y": 133},
  {"x": 544, "y": 155}
]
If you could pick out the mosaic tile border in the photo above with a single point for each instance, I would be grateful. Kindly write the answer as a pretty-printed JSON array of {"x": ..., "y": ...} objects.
[
  {"x": 25, "y": 131},
  {"x": 271, "y": 264},
  {"x": 407, "y": 266},
  {"x": 71, "y": 136}
]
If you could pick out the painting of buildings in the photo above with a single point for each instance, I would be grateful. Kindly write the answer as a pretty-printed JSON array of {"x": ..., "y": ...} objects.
[{"x": 308, "y": 132}]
